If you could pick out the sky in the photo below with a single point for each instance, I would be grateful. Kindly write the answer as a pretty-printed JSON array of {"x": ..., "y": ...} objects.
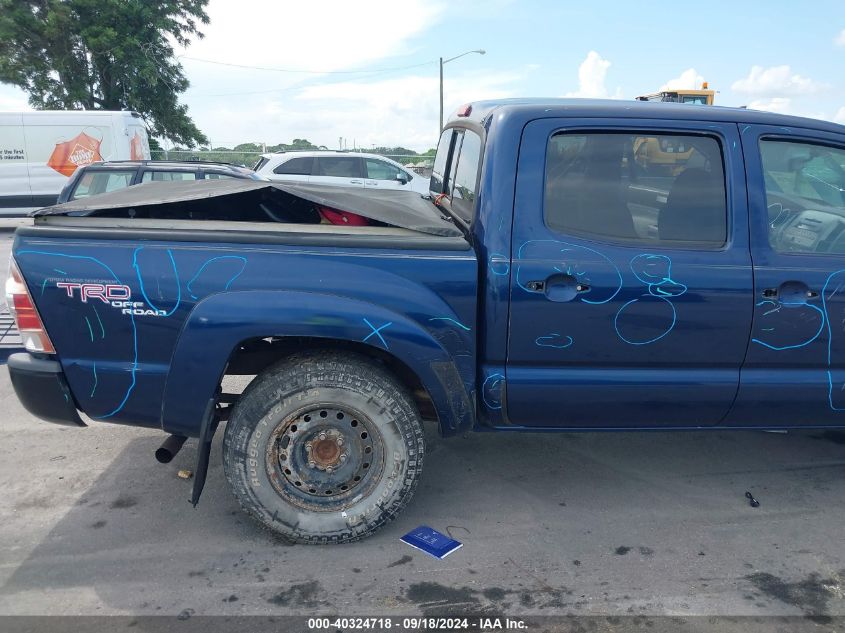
[{"x": 368, "y": 72}]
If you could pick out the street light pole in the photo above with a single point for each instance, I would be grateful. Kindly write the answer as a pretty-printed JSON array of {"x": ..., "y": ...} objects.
[
  {"x": 440, "y": 130},
  {"x": 480, "y": 51}
]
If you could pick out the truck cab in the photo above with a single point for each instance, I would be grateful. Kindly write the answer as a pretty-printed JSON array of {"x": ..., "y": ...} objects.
[{"x": 561, "y": 277}]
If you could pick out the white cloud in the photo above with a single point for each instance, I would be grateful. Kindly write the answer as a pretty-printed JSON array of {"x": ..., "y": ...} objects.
[
  {"x": 840, "y": 116},
  {"x": 389, "y": 112},
  {"x": 780, "y": 105},
  {"x": 840, "y": 39},
  {"x": 234, "y": 105},
  {"x": 688, "y": 80},
  {"x": 777, "y": 81},
  {"x": 592, "y": 74},
  {"x": 314, "y": 35}
]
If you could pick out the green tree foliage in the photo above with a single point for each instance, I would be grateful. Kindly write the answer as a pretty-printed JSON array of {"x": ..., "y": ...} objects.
[{"x": 103, "y": 54}]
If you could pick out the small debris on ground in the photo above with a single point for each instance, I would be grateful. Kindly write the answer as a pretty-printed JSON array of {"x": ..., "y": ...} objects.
[
  {"x": 751, "y": 500},
  {"x": 185, "y": 474}
]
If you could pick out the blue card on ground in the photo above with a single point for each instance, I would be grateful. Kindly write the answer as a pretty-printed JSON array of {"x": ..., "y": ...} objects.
[{"x": 431, "y": 541}]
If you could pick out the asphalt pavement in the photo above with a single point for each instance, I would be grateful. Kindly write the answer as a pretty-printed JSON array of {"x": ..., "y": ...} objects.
[{"x": 638, "y": 524}]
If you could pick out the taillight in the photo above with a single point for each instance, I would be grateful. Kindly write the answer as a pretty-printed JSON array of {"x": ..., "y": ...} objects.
[{"x": 20, "y": 304}]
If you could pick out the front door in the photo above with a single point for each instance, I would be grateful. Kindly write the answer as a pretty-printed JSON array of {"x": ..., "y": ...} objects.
[
  {"x": 794, "y": 374},
  {"x": 631, "y": 284}
]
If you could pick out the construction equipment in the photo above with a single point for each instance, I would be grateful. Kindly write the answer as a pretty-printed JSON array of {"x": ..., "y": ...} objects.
[{"x": 705, "y": 96}]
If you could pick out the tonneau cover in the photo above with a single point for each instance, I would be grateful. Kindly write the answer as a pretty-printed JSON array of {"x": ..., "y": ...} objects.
[{"x": 404, "y": 209}]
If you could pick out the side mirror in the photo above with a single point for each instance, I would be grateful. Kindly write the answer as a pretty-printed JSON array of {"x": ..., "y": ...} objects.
[{"x": 402, "y": 178}]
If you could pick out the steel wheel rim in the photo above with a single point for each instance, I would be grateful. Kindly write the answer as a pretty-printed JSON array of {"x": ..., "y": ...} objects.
[{"x": 324, "y": 456}]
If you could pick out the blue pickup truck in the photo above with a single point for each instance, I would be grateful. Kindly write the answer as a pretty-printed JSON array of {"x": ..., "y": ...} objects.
[{"x": 579, "y": 265}]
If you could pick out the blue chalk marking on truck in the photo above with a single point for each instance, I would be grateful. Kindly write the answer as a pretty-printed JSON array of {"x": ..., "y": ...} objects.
[
  {"x": 376, "y": 331},
  {"x": 214, "y": 259},
  {"x": 554, "y": 340},
  {"x": 137, "y": 268},
  {"x": 453, "y": 321}
]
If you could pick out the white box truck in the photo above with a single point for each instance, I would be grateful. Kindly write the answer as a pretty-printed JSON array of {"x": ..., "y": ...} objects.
[{"x": 40, "y": 150}]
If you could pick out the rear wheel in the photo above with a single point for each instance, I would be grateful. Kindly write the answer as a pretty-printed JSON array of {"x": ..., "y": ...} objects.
[{"x": 324, "y": 447}]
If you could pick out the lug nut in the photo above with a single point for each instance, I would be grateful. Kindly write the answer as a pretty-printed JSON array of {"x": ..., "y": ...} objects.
[
  {"x": 312, "y": 465},
  {"x": 322, "y": 436},
  {"x": 329, "y": 469},
  {"x": 343, "y": 457},
  {"x": 340, "y": 441}
]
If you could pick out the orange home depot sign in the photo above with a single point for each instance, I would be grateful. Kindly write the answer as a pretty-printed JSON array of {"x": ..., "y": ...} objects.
[
  {"x": 80, "y": 150},
  {"x": 136, "y": 148}
]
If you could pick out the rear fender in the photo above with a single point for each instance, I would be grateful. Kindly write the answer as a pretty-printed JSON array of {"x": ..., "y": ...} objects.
[{"x": 219, "y": 323}]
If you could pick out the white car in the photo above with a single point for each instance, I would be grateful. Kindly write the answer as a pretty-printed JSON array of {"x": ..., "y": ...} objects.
[{"x": 342, "y": 169}]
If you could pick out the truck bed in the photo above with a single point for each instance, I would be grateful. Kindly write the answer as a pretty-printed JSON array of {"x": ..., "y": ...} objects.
[{"x": 144, "y": 311}]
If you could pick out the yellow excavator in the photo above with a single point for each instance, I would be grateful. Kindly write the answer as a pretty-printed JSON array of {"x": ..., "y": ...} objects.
[
  {"x": 665, "y": 154},
  {"x": 705, "y": 96}
]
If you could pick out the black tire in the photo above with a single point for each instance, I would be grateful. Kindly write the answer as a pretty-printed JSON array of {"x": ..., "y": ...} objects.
[{"x": 324, "y": 447}]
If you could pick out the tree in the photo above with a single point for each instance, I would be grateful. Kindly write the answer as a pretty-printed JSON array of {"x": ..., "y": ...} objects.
[{"x": 103, "y": 54}]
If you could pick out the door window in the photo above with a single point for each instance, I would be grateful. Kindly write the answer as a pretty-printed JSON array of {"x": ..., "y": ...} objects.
[
  {"x": 650, "y": 189},
  {"x": 339, "y": 166},
  {"x": 805, "y": 196},
  {"x": 94, "y": 182},
  {"x": 380, "y": 170},
  {"x": 168, "y": 176}
]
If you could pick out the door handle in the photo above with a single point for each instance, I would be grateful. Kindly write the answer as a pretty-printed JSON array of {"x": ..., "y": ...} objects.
[
  {"x": 791, "y": 292},
  {"x": 558, "y": 287},
  {"x": 356, "y": 182}
]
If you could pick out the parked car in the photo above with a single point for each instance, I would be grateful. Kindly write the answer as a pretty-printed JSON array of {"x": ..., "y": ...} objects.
[
  {"x": 39, "y": 151},
  {"x": 103, "y": 177},
  {"x": 342, "y": 169},
  {"x": 558, "y": 280}
]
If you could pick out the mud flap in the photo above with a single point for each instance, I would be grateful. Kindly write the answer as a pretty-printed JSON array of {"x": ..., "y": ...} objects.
[{"x": 209, "y": 426}]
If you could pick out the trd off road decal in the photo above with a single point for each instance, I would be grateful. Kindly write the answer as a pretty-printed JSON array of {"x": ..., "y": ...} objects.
[{"x": 115, "y": 295}]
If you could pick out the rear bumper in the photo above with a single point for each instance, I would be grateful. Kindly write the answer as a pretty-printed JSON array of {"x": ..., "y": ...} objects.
[{"x": 42, "y": 389}]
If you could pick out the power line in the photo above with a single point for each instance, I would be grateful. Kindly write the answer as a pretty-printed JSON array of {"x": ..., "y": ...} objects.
[{"x": 308, "y": 72}]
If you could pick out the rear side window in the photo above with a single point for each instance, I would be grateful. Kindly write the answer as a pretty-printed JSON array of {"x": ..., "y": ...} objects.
[
  {"x": 339, "y": 166},
  {"x": 642, "y": 188},
  {"x": 465, "y": 174},
  {"x": 805, "y": 196},
  {"x": 295, "y": 167},
  {"x": 95, "y": 182},
  {"x": 438, "y": 170},
  {"x": 167, "y": 176}
]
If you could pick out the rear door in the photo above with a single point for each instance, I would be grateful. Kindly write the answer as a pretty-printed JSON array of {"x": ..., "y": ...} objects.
[
  {"x": 631, "y": 283},
  {"x": 794, "y": 374}
]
